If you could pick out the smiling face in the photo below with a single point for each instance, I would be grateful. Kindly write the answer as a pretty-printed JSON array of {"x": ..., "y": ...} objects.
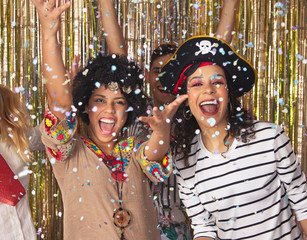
[
  {"x": 159, "y": 96},
  {"x": 208, "y": 97},
  {"x": 107, "y": 115}
]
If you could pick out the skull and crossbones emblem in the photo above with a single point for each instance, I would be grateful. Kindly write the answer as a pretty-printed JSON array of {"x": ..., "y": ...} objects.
[{"x": 205, "y": 47}]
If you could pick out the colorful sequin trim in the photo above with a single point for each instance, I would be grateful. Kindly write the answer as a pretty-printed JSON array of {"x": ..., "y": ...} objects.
[
  {"x": 56, "y": 154},
  {"x": 141, "y": 157},
  {"x": 156, "y": 172},
  {"x": 116, "y": 165},
  {"x": 49, "y": 121},
  {"x": 93, "y": 147},
  {"x": 139, "y": 144},
  {"x": 167, "y": 162},
  {"x": 71, "y": 121},
  {"x": 60, "y": 134},
  {"x": 125, "y": 145}
]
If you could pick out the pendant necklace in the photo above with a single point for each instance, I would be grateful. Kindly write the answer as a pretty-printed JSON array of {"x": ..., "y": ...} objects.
[{"x": 121, "y": 216}]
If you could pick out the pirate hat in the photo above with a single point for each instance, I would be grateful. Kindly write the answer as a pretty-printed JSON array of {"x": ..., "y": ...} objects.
[{"x": 241, "y": 75}]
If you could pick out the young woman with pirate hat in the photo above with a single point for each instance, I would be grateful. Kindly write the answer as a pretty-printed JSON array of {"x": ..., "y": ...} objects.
[{"x": 238, "y": 178}]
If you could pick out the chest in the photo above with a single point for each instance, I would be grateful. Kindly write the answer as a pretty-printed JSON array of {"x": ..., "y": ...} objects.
[
  {"x": 243, "y": 177},
  {"x": 87, "y": 172}
]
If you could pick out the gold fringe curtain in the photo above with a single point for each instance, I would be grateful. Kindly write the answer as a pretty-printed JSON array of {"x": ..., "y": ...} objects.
[{"x": 270, "y": 34}]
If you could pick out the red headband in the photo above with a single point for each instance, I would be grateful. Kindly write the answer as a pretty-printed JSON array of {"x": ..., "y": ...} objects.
[{"x": 182, "y": 77}]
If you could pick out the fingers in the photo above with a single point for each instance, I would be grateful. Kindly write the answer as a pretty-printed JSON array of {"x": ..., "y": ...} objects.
[
  {"x": 171, "y": 109},
  {"x": 180, "y": 99},
  {"x": 145, "y": 119},
  {"x": 51, "y": 4},
  {"x": 157, "y": 112},
  {"x": 166, "y": 114},
  {"x": 63, "y": 8},
  {"x": 173, "y": 106},
  {"x": 152, "y": 119},
  {"x": 37, "y": 2}
]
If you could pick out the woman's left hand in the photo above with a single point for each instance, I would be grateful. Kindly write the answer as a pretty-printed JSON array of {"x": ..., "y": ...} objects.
[{"x": 160, "y": 121}]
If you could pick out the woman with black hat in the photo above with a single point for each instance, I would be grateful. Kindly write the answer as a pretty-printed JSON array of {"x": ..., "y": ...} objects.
[{"x": 238, "y": 178}]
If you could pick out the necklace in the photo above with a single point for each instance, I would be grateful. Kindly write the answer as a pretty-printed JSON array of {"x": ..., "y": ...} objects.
[{"x": 121, "y": 216}]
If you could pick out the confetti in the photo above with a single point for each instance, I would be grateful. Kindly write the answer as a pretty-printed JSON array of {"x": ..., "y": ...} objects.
[
  {"x": 85, "y": 72},
  {"x": 211, "y": 121}
]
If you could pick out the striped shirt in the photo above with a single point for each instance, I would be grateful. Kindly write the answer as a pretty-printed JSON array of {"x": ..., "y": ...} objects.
[{"x": 250, "y": 193}]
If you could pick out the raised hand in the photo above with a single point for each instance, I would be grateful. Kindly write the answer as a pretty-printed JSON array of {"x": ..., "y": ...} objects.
[
  {"x": 112, "y": 31},
  {"x": 58, "y": 93},
  {"x": 160, "y": 123},
  {"x": 227, "y": 20},
  {"x": 49, "y": 15}
]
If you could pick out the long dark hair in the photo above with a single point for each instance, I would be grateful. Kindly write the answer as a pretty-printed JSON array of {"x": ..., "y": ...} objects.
[{"x": 240, "y": 124}]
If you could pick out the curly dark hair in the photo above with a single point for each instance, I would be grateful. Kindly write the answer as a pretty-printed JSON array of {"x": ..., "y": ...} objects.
[
  {"x": 106, "y": 69},
  {"x": 240, "y": 123},
  {"x": 162, "y": 50}
]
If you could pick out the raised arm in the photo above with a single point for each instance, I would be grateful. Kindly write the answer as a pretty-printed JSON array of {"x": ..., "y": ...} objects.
[
  {"x": 58, "y": 93},
  {"x": 159, "y": 142},
  {"x": 112, "y": 31},
  {"x": 227, "y": 20}
]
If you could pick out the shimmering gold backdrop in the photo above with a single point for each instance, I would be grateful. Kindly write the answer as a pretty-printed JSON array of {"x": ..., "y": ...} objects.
[{"x": 270, "y": 34}]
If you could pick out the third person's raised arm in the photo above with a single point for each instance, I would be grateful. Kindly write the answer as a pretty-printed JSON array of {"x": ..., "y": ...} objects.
[
  {"x": 112, "y": 31},
  {"x": 227, "y": 20}
]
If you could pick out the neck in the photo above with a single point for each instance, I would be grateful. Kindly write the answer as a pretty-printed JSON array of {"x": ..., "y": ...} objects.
[
  {"x": 106, "y": 147},
  {"x": 215, "y": 143}
]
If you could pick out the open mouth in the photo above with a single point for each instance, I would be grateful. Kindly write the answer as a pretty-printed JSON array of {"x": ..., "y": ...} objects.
[
  {"x": 161, "y": 89},
  {"x": 106, "y": 126},
  {"x": 209, "y": 107}
]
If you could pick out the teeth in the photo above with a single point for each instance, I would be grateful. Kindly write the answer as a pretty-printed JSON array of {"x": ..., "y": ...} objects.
[
  {"x": 107, "y": 120},
  {"x": 208, "y": 102}
]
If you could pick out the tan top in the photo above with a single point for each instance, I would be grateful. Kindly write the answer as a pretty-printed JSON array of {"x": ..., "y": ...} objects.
[{"x": 90, "y": 193}]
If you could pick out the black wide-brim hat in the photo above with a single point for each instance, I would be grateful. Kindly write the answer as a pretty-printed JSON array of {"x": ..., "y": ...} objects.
[{"x": 241, "y": 74}]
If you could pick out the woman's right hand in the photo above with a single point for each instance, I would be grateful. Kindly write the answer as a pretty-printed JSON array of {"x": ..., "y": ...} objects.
[{"x": 49, "y": 15}]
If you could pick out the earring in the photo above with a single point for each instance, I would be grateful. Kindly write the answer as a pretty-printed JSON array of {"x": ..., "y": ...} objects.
[{"x": 186, "y": 113}]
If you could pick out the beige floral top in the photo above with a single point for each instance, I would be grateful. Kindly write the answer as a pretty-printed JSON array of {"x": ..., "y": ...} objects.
[{"x": 88, "y": 183}]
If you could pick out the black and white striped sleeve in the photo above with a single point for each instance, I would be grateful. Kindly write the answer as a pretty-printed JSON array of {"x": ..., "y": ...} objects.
[
  {"x": 203, "y": 223},
  {"x": 291, "y": 175}
]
